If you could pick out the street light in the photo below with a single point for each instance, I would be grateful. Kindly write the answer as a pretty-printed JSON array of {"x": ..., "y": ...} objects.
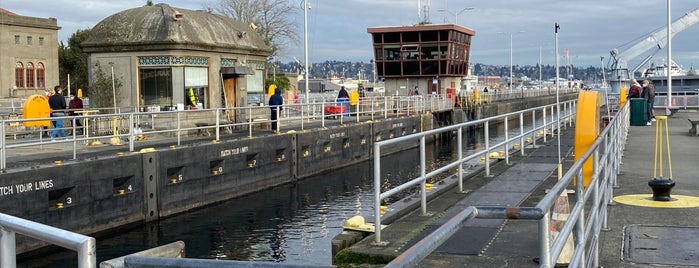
[
  {"x": 511, "y": 78},
  {"x": 306, "y": 7},
  {"x": 456, "y": 15}
]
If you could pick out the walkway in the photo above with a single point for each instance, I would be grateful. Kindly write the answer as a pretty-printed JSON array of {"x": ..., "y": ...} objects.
[{"x": 636, "y": 236}]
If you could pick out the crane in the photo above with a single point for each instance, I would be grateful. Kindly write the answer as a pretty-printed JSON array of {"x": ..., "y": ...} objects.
[{"x": 655, "y": 41}]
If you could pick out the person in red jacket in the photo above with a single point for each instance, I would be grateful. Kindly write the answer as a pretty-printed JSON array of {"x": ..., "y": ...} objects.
[
  {"x": 635, "y": 90},
  {"x": 74, "y": 104}
]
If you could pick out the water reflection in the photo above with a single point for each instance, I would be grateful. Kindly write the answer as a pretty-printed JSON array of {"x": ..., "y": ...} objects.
[{"x": 293, "y": 223}]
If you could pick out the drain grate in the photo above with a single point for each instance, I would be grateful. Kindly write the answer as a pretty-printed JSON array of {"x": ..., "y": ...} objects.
[{"x": 671, "y": 245}]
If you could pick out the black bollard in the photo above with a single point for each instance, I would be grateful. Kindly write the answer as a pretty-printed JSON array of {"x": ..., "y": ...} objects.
[{"x": 661, "y": 189}]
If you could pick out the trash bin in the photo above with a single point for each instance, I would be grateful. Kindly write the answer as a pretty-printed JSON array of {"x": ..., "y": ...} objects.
[
  {"x": 344, "y": 102},
  {"x": 639, "y": 111}
]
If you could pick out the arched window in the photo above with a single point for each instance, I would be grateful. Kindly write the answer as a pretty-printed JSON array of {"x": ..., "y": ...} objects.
[
  {"x": 40, "y": 75},
  {"x": 19, "y": 75},
  {"x": 30, "y": 75}
]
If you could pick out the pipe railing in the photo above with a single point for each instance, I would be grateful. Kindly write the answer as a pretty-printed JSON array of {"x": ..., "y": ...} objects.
[
  {"x": 133, "y": 126},
  {"x": 9, "y": 225},
  {"x": 605, "y": 154},
  {"x": 530, "y": 133}
]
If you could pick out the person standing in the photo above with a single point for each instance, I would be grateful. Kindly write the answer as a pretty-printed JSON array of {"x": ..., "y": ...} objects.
[
  {"x": 57, "y": 103},
  {"x": 275, "y": 106},
  {"x": 74, "y": 104},
  {"x": 649, "y": 89},
  {"x": 635, "y": 90},
  {"x": 343, "y": 93}
]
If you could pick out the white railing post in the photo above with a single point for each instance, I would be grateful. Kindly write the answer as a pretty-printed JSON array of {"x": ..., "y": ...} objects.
[
  {"x": 377, "y": 193},
  {"x": 179, "y": 126},
  {"x": 487, "y": 149},
  {"x": 507, "y": 142},
  {"x": 7, "y": 248},
  {"x": 217, "y": 115},
  {"x": 3, "y": 146},
  {"x": 423, "y": 168},
  {"x": 460, "y": 150},
  {"x": 521, "y": 133}
]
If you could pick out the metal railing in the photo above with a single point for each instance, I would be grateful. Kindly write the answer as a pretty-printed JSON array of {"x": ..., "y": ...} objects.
[
  {"x": 548, "y": 124},
  {"x": 9, "y": 225},
  {"x": 679, "y": 101},
  {"x": 134, "y": 126},
  {"x": 587, "y": 217}
]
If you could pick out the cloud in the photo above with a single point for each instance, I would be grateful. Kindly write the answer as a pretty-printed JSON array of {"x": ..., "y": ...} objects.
[{"x": 337, "y": 29}]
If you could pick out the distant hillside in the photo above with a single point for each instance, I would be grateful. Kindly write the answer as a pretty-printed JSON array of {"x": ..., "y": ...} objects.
[{"x": 356, "y": 69}]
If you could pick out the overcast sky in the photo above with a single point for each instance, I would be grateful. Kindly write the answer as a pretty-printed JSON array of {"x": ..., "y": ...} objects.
[{"x": 337, "y": 28}]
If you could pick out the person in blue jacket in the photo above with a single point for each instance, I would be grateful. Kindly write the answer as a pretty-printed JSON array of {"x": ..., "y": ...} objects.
[{"x": 275, "y": 102}]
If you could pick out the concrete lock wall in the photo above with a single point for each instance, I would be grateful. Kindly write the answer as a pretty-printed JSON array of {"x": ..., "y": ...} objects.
[
  {"x": 326, "y": 149},
  {"x": 197, "y": 176},
  {"x": 74, "y": 197}
]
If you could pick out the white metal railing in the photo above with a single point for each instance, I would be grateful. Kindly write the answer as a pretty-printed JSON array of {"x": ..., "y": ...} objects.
[
  {"x": 567, "y": 111},
  {"x": 9, "y": 225},
  {"x": 679, "y": 101},
  {"x": 587, "y": 217},
  {"x": 131, "y": 126}
]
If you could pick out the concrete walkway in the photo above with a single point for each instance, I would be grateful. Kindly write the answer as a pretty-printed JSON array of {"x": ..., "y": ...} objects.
[{"x": 636, "y": 236}]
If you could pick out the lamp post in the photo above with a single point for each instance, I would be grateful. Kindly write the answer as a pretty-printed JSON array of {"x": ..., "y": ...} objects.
[
  {"x": 306, "y": 7},
  {"x": 511, "y": 78},
  {"x": 456, "y": 15}
]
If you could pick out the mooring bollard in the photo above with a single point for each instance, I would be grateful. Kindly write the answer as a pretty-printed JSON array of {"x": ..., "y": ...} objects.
[{"x": 661, "y": 187}]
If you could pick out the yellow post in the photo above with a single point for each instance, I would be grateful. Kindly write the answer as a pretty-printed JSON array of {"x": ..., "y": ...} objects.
[
  {"x": 587, "y": 127},
  {"x": 114, "y": 140}
]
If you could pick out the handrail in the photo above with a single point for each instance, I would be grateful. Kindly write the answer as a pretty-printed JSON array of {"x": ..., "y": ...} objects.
[
  {"x": 606, "y": 153},
  {"x": 9, "y": 225},
  {"x": 177, "y": 123},
  {"x": 568, "y": 112}
]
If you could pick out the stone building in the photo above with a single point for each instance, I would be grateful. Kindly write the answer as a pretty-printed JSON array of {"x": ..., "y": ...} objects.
[
  {"x": 162, "y": 54},
  {"x": 28, "y": 54}
]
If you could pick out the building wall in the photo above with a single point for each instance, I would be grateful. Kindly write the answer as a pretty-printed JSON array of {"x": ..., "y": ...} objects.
[
  {"x": 45, "y": 52},
  {"x": 126, "y": 69}
]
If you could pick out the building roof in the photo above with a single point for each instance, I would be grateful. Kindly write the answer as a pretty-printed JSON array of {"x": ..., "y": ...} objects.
[
  {"x": 420, "y": 28},
  {"x": 162, "y": 27},
  {"x": 5, "y": 11}
]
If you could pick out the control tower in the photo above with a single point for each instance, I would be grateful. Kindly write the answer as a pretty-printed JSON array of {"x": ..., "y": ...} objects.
[{"x": 429, "y": 57}]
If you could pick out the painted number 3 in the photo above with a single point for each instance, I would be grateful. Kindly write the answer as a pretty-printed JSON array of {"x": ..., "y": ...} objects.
[{"x": 69, "y": 200}]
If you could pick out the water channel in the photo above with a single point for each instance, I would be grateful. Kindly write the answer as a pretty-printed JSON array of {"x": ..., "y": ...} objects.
[{"x": 292, "y": 223}]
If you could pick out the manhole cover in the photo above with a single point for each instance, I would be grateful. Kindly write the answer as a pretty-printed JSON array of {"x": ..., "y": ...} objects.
[{"x": 672, "y": 245}]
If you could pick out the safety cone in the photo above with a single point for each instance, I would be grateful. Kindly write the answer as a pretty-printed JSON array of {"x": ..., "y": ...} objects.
[{"x": 561, "y": 212}]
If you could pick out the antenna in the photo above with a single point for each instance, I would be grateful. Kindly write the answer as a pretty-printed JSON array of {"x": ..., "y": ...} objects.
[{"x": 423, "y": 12}]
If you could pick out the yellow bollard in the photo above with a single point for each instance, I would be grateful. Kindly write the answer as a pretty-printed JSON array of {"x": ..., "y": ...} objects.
[{"x": 382, "y": 209}]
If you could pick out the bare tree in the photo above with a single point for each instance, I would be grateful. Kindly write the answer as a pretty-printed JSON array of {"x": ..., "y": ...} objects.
[{"x": 272, "y": 19}]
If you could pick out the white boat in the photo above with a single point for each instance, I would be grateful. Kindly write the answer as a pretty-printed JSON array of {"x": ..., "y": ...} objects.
[{"x": 683, "y": 82}]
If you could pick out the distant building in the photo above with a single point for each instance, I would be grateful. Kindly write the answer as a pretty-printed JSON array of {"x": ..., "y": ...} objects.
[
  {"x": 160, "y": 52},
  {"x": 28, "y": 54},
  {"x": 432, "y": 57}
]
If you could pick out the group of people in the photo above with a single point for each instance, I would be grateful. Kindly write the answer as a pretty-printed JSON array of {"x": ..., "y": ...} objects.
[
  {"x": 647, "y": 91},
  {"x": 57, "y": 103}
]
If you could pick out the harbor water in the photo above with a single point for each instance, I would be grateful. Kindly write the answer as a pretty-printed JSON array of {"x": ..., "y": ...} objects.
[{"x": 292, "y": 223}]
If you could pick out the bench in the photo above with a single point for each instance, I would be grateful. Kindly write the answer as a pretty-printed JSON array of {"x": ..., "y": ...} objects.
[{"x": 693, "y": 129}]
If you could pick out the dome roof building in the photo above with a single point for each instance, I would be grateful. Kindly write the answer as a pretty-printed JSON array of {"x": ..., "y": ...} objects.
[{"x": 163, "y": 55}]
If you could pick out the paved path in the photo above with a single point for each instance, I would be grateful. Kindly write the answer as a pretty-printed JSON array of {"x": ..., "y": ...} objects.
[{"x": 636, "y": 236}]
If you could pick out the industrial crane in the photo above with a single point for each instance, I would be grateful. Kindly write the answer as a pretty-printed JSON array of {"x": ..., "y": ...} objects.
[{"x": 654, "y": 41}]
